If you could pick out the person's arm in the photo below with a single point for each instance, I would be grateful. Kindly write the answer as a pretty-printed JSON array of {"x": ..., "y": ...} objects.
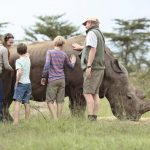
[
  {"x": 71, "y": 62},
  {"x": 77, "y": 47},
  {"x": 19, "y": 72},
  {"x": 90, "y": 61},
  {"x": 46, "y": 65},
  {"x": 46, "y": 68},
  {"x": 5, "y": 60},
  {"x": 91, "y": 57},
  {"x": 18, "y": 77},
  {"x": 91, "y": 42}
]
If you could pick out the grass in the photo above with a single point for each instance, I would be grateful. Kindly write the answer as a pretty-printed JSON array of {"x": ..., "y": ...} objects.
[
  {"x": 140, "y": 80},
  {"x": 70, "y": 133}
]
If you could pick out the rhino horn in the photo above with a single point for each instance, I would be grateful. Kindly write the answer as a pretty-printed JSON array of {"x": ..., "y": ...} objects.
[{"x": 144, "y": 107}]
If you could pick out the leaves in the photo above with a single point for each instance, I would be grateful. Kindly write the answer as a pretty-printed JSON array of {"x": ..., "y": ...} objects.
[
  {"x": 131, "y": 38},
  {"x": 2, "y": 25},
  {"x": 50, "y": 27}
]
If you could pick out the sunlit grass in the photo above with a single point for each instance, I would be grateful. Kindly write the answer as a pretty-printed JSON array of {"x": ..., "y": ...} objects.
[{"x": 71, "y": 133}]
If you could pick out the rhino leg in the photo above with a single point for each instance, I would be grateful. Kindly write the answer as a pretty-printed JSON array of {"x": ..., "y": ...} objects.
[
  {"x": 8, "y": 93},
  {"x": 77, "y": 102},
  {"x": 7, "y": 115}
]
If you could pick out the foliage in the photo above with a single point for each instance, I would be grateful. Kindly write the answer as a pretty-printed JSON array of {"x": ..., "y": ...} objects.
[
  {"x": 50, "y": 27},
  {"x": 71, "y": 133},
  {"x": 2, "y": 25},
  {"x": 141, "y": 80},
  {"x": 131, "y": 38}
]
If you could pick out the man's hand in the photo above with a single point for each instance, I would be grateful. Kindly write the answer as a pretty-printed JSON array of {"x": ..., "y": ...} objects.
[
  {"x": 77, "y": 47},
  {"x": 43, "y": 81}
]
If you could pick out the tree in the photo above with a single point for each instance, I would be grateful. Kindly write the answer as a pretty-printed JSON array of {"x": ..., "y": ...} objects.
[
  {"x": 2, "y": 25},
  {"x": 131, "y": 38},
  {"x": 50, "y": 27}
]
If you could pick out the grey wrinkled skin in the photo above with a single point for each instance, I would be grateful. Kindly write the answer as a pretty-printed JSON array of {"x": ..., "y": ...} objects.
[{"x": 125, "y": 101}]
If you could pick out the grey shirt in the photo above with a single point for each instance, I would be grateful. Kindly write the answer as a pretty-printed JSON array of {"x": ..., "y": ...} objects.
[{"x": 4, "y": 59}]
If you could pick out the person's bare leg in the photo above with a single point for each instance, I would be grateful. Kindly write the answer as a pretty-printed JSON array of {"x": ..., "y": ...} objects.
[
  {"x": 52, "y": 109},
  {"x": 27, "y": 110},
  {"x": 16, "y": 112},
  {"x": 96, "y": 104},
  {"x": 59, "y": 109},
  {"x": 90, "y": 103}
]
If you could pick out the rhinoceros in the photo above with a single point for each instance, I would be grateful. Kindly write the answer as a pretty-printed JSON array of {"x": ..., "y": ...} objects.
[{"x": 125, "y": 101}]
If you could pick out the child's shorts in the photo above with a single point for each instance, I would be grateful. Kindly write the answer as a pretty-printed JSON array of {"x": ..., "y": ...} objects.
[
  {"x": 55, "y": 91},
  {"x": 22, "y": 93}
]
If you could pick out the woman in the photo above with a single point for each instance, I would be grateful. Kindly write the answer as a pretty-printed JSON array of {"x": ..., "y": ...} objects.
[{"x": 7, "y": 42}]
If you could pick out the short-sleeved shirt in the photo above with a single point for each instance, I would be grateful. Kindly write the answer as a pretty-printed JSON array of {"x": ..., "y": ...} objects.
[
  {"x": 91, "y": 39},
  {"x": 24, "y": 63}
]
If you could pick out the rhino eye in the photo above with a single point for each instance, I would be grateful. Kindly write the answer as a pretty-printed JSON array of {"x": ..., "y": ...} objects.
[{"x": 129, "y": 96}]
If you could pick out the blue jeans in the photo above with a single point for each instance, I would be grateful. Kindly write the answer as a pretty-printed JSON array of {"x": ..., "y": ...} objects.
[
  {"x": 1, "y": 99},
  {"x": 22, "y": 93}
]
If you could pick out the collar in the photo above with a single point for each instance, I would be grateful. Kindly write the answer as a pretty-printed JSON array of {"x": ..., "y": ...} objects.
[{"x": 94, "y": 27}]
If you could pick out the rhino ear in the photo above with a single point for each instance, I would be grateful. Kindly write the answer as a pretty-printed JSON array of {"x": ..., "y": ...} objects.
[{"x": 115, "y": 66}]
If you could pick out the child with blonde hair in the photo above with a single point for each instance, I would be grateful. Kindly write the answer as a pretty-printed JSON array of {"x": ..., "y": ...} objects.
[{"x": 54, "y": 69}]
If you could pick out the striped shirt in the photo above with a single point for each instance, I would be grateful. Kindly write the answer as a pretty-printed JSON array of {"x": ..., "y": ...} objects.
[{"x": 54, "y": 65}]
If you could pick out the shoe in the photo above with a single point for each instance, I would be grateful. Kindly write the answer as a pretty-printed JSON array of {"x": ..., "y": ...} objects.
[
  {"x": 92, "y": 117},
  {"x": 95, "y": 117}
]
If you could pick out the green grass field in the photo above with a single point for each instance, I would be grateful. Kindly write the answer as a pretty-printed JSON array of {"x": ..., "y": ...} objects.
[{"x": 70, "y": 133}]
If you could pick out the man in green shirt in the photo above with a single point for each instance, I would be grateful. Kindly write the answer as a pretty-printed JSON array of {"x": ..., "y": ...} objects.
[{"x": 92, "y": 63}]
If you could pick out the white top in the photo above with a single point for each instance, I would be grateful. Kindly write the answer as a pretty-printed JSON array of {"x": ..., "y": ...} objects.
[
  {"x": 91, "y": 39},
  {"x": 24, "y": 64}
]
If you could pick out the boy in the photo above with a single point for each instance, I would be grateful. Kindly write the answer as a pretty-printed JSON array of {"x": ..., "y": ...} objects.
[
  {"x": 23, "y": 84},
  {"x": 54, "y": 68}
]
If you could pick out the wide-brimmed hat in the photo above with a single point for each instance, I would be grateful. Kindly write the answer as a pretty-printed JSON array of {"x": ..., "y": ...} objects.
[{"x": 91, "y": 19}]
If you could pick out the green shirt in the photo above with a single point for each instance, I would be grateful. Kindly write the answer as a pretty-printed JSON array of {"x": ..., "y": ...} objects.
[{"x": 98, "y": 62}]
